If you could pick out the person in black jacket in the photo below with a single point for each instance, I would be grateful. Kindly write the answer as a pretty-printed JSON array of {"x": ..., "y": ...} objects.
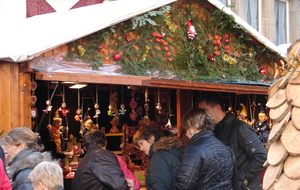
[
  {"x": 165, "y": 154},
  {"x": 207, "y": 163},
  {"x": 240, "y": 137},
  {"x": 99, "y": 168}
]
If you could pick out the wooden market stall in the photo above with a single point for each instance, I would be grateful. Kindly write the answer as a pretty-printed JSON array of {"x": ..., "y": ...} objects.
[{"x": 169, "y": 52}]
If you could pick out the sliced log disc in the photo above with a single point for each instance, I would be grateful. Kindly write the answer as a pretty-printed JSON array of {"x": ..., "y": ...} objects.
[
  {"x": 290, "y": 139},
  {"x": 278, "y": 127},
  {"x": 295, "y": 79},
  {"x": 285, "y": 183},
  {"x": 285, "y": 80},
  {"x": 272, "y": 174},
  {"x": 277, "y": 114},
  {"x": 277, "y": 153},
  {"x": 293, "y": 94},
  {"x": 296, "y": 117},
  {"x": 274, "y": 88},
  {"x": 278, "y": 99},
  {"x": 292, "y": 167},
  {"x": 294, "y": 49}
]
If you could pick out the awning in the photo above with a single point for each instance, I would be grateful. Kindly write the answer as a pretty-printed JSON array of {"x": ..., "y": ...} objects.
[{"x": 25, "y": 39}]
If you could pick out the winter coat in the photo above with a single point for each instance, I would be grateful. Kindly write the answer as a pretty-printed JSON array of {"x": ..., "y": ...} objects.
[
  {"x": 249, "y": 152},
  {"x": 128, "y": 173},
  {"x": 99, "y": 169},
  {"x": 207, "y": 164},
  {"x": 20, "y": 167},
  {"x": 165, "y": 156},
  {"x": 4, "y": 181}
]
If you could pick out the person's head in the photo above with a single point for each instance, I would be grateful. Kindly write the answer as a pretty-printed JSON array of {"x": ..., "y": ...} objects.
[
  {"x": 145, "y": 136},
  {"x": 46, "y": 176},
  {"x": 19, "y": 139},
  {"x": 196, "y": 120},
  {"x": 94, "y": 137},
  {"x": 214, "y": 105}
]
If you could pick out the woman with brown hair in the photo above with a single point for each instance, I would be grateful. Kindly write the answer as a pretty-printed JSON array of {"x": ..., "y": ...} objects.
[
  {"x": 24, "y": 153},
  {"x": 206, "y": 163},
  {"x": 164, "y": 154}
]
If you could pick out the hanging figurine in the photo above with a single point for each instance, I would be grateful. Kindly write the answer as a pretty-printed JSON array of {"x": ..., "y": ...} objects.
[
  {"x": 97, "y": 110},
  {"x": 55, "y": 131},
  {"x": 64, "y": 111},
  {"x": 49, "y": 106},
  {"x": 77, "y": 117},
  {"x": 191, "y": 31},
  {"x": 261, "y": 125},
  {"x": 122, "y": 111}
]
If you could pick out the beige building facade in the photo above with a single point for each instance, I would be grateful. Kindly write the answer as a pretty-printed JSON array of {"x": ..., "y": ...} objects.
[{"x": 277, "y": 20}]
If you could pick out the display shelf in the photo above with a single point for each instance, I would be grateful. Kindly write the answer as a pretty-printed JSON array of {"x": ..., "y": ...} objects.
[{"x": 114, "y": 134}]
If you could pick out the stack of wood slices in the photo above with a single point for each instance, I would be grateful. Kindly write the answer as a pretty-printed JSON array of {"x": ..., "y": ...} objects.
[{"x": 283, "y": 160}]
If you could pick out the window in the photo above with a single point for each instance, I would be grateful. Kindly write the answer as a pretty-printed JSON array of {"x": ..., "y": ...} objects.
[
  {"x": 281, "y": 22},
  {"x": 223, "y": 1},
  {"x": 252, "y": 8}
]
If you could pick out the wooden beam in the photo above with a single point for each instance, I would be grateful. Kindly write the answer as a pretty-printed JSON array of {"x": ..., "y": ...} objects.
[
  {"x": 95, "y": 79},
  {"x": 210, "y": 86},
  {"x": 154, "y": 82}
]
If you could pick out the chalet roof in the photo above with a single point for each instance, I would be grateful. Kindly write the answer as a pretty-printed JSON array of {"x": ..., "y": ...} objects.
[{"x": 27, "y": 38}]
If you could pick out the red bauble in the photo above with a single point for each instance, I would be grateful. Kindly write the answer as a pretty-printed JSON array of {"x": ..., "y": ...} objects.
[
  {"x": 263, "y": 71},
  {"x": 117, "y": 56}
]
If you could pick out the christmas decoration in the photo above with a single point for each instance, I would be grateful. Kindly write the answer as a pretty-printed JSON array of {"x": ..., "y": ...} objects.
[
  {"x": 147, "y": 42},
  {"x": 117, "y": 56},
  {"x": 191, "y": 31}
]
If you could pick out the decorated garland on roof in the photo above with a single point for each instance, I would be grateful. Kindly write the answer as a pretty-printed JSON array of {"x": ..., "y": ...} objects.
[{"x": 186, "y": 40}]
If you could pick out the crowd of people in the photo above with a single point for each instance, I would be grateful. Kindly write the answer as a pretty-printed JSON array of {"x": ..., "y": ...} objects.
[{"x": 222, "y": 153}]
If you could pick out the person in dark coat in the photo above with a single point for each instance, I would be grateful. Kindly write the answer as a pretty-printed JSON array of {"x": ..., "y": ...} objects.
[
  {"x": 165, "y": 154},
  {"x": 207, "y": 163},
  {"x": 240, "y": 137},
  {"x": 24, "y": 153},
  {"x": 99, "y": 168}
]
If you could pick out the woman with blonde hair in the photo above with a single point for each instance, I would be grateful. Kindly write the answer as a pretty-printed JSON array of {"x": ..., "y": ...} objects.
[
  {"x": 24, "y": 153},
  {"x": 47, "y": 176}
]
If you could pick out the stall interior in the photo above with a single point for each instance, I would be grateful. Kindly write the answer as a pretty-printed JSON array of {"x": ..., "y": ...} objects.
[{"x": 117, "y": 110}]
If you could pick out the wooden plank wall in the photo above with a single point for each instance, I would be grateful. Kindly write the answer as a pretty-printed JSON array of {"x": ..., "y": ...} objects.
[{"x": 15, "y": 97}]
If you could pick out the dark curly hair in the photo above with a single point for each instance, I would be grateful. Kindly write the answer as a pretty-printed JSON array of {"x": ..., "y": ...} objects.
[{"x": 94, "y": 137}]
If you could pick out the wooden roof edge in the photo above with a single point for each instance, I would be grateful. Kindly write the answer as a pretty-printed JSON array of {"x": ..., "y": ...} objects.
[
  {"x": 154, "y": 82},
  {"x": 210, "y": 86}
]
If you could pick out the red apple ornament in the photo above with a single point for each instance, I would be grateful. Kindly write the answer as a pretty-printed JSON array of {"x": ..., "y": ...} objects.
[{"x": 117, "y": 56}]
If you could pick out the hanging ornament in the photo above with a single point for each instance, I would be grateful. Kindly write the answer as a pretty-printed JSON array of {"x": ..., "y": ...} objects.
[
  {"x": 117, "y": 56},
  {"x": 127, "y": 37},
  {"x": 133, "y": 104},
  {"x": 145, "y": 54},
  {"x": 191, "y": 31},
  {"x": 49, "y": 107},
  {"x": 96, "y": 106},
  {"x": 122, "y": 111},
  {"x": 146, "y": 119},
  {"x": 77, "y": 117},
  {"x": 158, "y": 105},
  {"x": 80, "y": 50}
]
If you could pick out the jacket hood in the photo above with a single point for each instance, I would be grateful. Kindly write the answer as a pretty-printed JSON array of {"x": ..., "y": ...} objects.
[
  {"x": 26, "y": 159},
  {"x": 167, "y": 143}
]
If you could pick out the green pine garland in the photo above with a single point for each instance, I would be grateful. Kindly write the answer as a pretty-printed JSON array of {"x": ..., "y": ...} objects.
[{"x": 144, "y": 56}]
